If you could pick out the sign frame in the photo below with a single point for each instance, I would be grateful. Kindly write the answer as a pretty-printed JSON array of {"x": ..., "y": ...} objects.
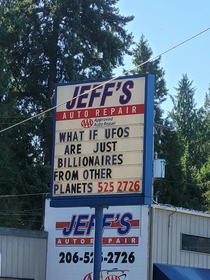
[{"x": 97, "y": 200}]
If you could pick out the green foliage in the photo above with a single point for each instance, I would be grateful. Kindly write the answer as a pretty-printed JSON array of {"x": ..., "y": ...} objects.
[
  {"x": 143, "y": 53},
  {"x": 46, "y": 42},
  {"x": 184, "y": 111},
  {"x": 185, "y": 148},
  {"x": 166, "y": 141},
  {"x": 204, "y": 115},
  {"x": 63, "y": 41},
  {"x": 21, "y": 172},
  {"x": 203, "y": 179},
  {"x": 191, "y": 124},
  {"x": 192, "y": 129},
  {"x": 43, "y": 43},
  {"x": 11, "y": 210},
  {"x": 171, "y": 187}
]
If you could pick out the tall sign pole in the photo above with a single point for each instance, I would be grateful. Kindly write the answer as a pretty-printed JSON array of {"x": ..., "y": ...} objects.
[{"x": 98, "y": 242}]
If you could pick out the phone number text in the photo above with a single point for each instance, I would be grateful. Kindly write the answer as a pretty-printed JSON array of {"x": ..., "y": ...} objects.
[{"x": 87, "y": 257}]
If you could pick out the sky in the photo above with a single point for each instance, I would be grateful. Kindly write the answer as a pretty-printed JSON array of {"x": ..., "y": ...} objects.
[{"x": 166, "y": 23}]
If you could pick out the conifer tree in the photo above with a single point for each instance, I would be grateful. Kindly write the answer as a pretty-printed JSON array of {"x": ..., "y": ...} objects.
[
  {"x": 184, "y": 111},
  {"x": 189, "y": 125},
  {"x": 142, "y": 53},
  {"x": 43, "y": 43},
  {"x": 166, "y": 142},
  {"x": 46, "y": 42},
  {"x": 189, "y": 122},
  {"x": 203, "y": 175}
]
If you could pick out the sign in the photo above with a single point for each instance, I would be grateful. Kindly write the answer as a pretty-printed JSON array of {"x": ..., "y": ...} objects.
[
  {"x": 71, "y": 239},
  {"x": 114, "y": 274},
  {"x": 103, "y": 135}
]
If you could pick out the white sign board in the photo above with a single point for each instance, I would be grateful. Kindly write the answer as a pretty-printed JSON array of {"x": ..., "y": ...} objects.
[
  {"x": 99, "y": 139},
  {"x": 71, "y": 240}
]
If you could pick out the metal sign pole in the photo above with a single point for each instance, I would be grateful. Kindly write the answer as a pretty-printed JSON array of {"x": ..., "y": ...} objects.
[{"x": 98, "y": 242}]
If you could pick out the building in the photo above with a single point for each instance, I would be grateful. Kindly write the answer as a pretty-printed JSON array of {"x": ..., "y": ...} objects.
[
  {"x": 179, "y": 237},
  {"x": 164, "y": 238},
  {"x": 23, "y": 254},
  {"x": 146, "y": 242}
]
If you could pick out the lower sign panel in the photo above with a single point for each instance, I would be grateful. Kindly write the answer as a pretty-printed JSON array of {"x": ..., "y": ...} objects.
[{"x": 71, "y": 242}]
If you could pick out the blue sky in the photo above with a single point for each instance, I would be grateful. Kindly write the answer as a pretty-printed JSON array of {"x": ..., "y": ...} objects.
[{"x": 166, "y": 23}]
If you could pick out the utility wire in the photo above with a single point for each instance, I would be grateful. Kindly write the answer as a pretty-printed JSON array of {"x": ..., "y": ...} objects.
[
  {"x": 15, "y": 195},
  {"x": 186, "y": 183},
  {"x": 22, "y": 220},
  {"x": 156, "y": 179},
  {"x": 19, "y": 214},
  {"x": 126, "y": 72}
]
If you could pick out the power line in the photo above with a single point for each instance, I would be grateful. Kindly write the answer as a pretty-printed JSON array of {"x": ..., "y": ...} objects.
[
  {"x": 186, "y": 183},
  {"x": 20, "y": 214},
  {"x": 15, "y": 195},
  {"x": 126, "y": 72},
  {"x": 23, "y": 220},
  {"x": 157, "y": 179}
]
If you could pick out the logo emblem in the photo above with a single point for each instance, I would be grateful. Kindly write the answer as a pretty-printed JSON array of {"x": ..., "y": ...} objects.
[
  {"x": 86, "y": 123},
  {"x": 112, "y": 277},
  {"x": 109, "y": 277},
  {"x": 88, "y": 276}
]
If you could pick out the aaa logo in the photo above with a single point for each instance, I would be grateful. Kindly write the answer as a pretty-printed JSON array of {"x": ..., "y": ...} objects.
[
  {"x": 112, "y": 277},
  {"x": 86, "y": 123},
  {"x": 109, "y": 277},
  {"x": 88, "y": 276}
]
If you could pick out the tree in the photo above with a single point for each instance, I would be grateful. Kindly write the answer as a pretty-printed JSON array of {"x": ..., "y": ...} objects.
[
  {"x": 142, "y": 53},
  {"x": 46, "y": 42},
  {"x": 20, "y": 170},
  {"x": 166, "y": 140},
  {"x": 43, "y": 43},
  {"x": 189, "y": 122},
  {"x": 203, "y": 175},
  {"x": 189, "y": 126},
  {"x": 170, "y": 187},
  {"x": 184, "y": 111},
  {"x": 206, "y": 124},
  {"x": 203, "y": 179}
]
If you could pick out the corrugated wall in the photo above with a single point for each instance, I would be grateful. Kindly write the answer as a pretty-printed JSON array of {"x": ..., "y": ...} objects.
[
  {"x": 167, "y": 225},
  {"x": 23, "y": 253}
]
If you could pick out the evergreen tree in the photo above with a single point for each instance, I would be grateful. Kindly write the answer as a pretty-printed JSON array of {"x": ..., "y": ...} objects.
[
  {"x": 207, "y": 104},
  {"x": 203, "y": 179},
  {"x": 189, "y": 122},
  {"x": 20, "y": 170},
  {"x": 189, "y": 126},
  {"x": 203, "y": 175},
  {"x": 206, "y": 124},
  {"x": 166, "y": 141},
  {"x": 46, "y": 42},
  {"x": 43, "y": 43},
  {"x": 142, "y": 53},
  {"x": 170, "y": 187},
  {"x": 184, "y": 111}
]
